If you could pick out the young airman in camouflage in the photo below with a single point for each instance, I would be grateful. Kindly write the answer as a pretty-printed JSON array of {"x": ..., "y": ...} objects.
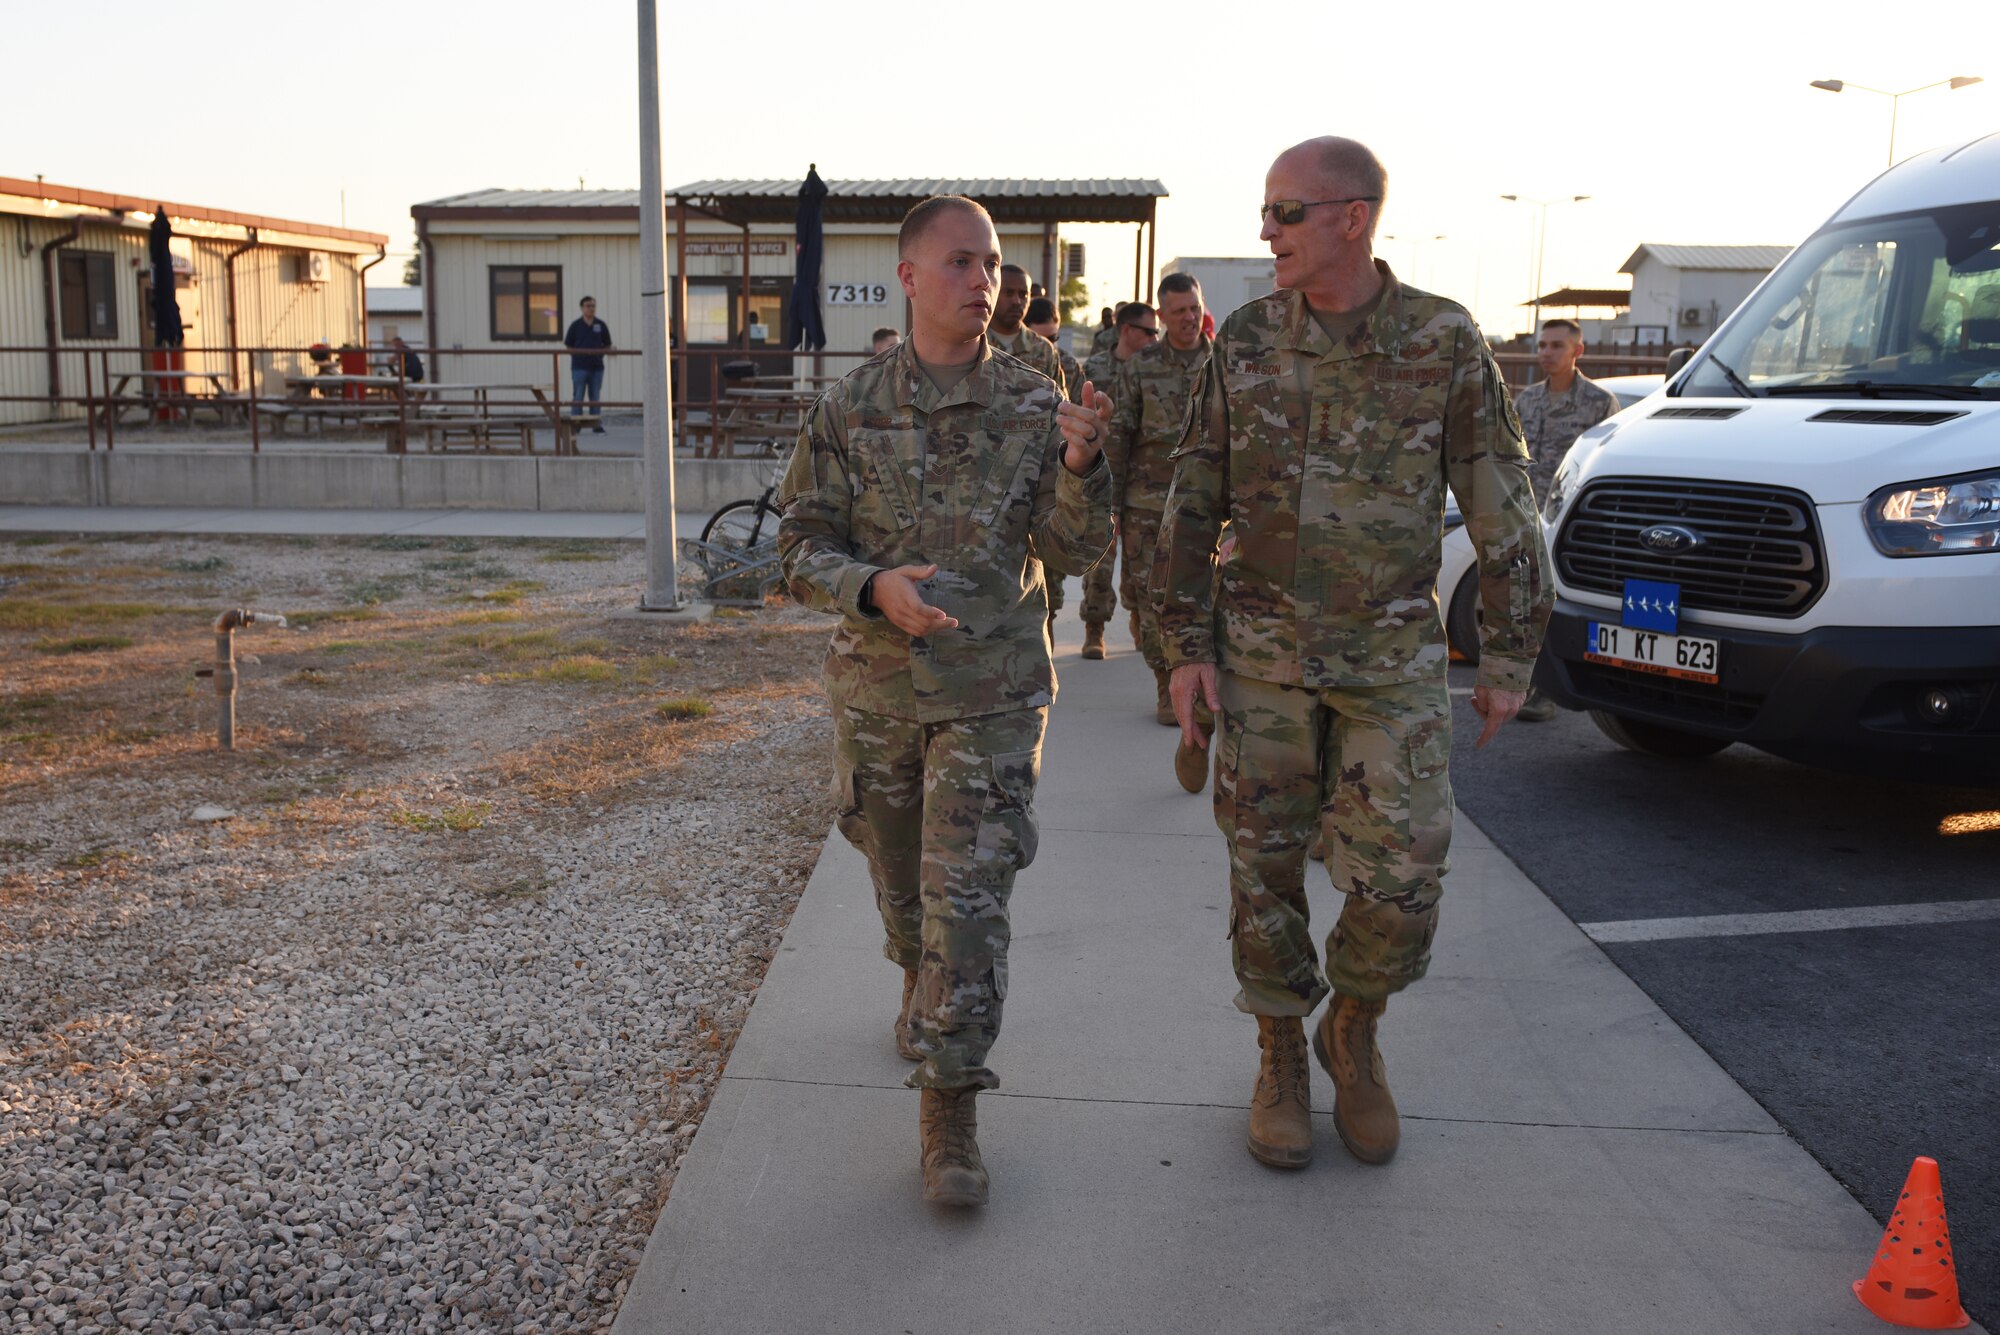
[
  {"x": 1555, "y": 410},
  {"x": 1100, "y": 600},
  {"x": 1009, "y": 331},
  {"x": 926, "y": 492},
  {"x": 1149, "y": 404},
  {"x": 1137, "y": 326},
  {"x": 1334, "y": 414}
]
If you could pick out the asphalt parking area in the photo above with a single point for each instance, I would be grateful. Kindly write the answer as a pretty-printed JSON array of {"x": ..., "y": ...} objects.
[{"x": 1839, "y": 964}]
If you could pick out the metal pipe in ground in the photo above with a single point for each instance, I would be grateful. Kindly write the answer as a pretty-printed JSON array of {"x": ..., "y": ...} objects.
[{"x": 224, "y": 671}]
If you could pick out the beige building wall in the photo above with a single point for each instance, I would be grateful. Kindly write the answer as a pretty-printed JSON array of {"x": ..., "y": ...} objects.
[
  {"x": 601, "y": 259},
  {"x": 273, "y": 306}
]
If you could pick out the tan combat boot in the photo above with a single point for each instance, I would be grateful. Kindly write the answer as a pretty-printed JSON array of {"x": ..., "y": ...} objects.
[
  {"x": 1364, "y": 1112},
  {"x": 1093, "y": 639},
  {"x": 1163, "y": 703},
  {"x": 906, "y": 1047},
  {"x": 1281, "y": 1108},
  {"x": 953, "y": 1173}
]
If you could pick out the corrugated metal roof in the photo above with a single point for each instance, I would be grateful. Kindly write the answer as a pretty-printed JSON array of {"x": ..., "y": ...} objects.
[
  {"x": 1583, "y": 296},
  {"x": 773, "y": 201},
  {"x": 1748, "y": 259},
  {"x": 395, "y": 300}
]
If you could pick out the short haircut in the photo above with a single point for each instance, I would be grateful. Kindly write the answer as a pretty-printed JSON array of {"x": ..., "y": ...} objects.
[
  {"x": 1107, "y": 314},
  {"x": 588, "y": 301},
  {"x": 1040, "y": 311},
  {"x": 1575, "y": 329},
  {"x": 1352, "y": 169},
  {"x": 886, "y": 331},
  {"x": 1014, "y": 268},
  {"x": 1180, "y": 282},
  {"x": 1132, "y": 311},
  {"x": 919, "y": 219}
]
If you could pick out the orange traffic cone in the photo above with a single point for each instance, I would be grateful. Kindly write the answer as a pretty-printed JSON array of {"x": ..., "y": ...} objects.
[{"x": 1912, "y": 1282}]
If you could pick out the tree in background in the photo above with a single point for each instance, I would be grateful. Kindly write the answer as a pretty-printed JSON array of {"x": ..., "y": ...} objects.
[
  {"x": 413, "y": 267},
  {"x": 1073, "y": 296}
]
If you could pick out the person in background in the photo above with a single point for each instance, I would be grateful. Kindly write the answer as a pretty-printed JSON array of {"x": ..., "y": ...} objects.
[
  {"x": 1009, "y": 335},
  {"x": 1107, "y": 328},
  {"x": 413, "y": 365},
  {"x": 1100, "y": 599},
  {"x": 1138, "y": 327},
  {"x": 888, "y": 336},
  {"x": 586, "y": 370},
  {"x": 1563, "y": 405}
]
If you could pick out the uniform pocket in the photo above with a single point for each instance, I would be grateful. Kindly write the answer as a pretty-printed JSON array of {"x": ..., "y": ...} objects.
[
  {"x": 1429, "y": 745},
  {"x": 1228, "y": 744},
  {"x": 1007, "y": 839},
  {"x": 847, "y": 816}
]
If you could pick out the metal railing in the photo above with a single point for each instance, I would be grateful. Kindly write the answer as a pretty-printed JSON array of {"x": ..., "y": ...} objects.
[{"x": 723, "y": 397}]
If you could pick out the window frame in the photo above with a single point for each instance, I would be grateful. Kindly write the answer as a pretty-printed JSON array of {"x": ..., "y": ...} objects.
[
  {"x": 493, "y": 272},
  {"x": 98, "y": 266}
]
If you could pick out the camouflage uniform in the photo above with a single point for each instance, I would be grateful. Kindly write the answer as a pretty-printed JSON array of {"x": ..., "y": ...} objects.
[
  {"x": 1324, "y": 621},
  {"x": 1552, "y": 422},
  {"x": 1033, "y": 349},
  {"x": 1149, "y": 406},
  {"x": 938, "y": 738},
  {"x": 1103, "y": 339},
  {"x": 1100, "y": 600}
]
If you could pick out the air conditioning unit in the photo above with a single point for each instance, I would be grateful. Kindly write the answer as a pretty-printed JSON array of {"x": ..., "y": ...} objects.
[
  {"x": 314, "y": 266},
  {"x": 1692, "y": 316},
  {"x": 1073, "y": 260}
]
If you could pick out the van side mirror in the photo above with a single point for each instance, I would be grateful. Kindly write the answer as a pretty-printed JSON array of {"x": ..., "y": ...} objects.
[{"x": 1676, "y": 359}]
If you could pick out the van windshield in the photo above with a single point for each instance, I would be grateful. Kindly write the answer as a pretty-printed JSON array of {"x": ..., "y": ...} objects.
[{"x": 1905, "y": 307}]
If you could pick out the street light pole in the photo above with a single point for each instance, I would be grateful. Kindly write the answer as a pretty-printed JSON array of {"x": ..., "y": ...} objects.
[
  {"x": 1414, "y": 242},
  {"x": 657, "y": 429},
  {"x": 1541, "y": 245},
  {"x": 1895, "y": 99}
]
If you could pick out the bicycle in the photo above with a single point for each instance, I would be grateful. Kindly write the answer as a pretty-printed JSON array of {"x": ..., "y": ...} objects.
[{"x": 741, "y": 525}]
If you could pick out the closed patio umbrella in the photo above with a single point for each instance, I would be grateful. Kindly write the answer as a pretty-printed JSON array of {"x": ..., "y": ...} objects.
[
  {"x": 809, "y": 242},
  {"x": 167, "y": 331}
]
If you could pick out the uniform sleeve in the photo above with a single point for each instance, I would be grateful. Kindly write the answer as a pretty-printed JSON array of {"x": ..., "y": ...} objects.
[
  {"x": 1124, "y": 430},
  {"x": 1197, "y": 504},
  {"x": 816, "y": 498},
  {"x": 1070, "y": 529},
  {"x": 1486, "y": 464}
]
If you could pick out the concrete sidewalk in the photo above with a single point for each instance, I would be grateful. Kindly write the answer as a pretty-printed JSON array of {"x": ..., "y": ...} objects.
[
  {"x": 1571, "y": 1161},
  {"x": 333, "y": 522}
]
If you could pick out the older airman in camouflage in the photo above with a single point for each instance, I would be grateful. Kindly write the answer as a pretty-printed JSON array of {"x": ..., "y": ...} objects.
[
  {"x": 927, "y": 491},
  {"x": 1334, "y": 415},
  {"x": 1100, "y": 600},
  {"x": 1149, "y": 403}
]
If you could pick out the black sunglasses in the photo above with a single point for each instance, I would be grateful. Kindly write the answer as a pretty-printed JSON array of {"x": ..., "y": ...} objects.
[{"x": 1290, "y": 211}]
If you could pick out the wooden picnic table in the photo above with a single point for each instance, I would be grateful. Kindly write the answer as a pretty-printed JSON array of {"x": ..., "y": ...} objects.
[
  {"x": 433, "y": 410},
  {"x": 777, "y": 411},
  {"x": 184, "y": 402}
]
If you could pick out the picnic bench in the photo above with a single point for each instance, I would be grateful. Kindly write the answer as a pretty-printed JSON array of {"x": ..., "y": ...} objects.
[
  {"x": 178, "y": 402},
  {"x": 764, "y": 416}
]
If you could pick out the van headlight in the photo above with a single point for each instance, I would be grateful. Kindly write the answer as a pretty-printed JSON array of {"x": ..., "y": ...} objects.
[
  {"x": 1941, "y": 517},
  {"x": 1552, "y": 504}
]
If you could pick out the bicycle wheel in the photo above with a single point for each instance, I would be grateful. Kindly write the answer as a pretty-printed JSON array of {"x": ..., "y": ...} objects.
[{"x": 740, "y": 525}]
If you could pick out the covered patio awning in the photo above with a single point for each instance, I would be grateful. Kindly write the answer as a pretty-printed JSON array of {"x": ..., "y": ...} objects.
[{"x": 1614, "y": 298}]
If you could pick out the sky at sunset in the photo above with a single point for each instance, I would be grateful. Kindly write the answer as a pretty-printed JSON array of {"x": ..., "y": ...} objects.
[{"x": 1684, "y": 124}]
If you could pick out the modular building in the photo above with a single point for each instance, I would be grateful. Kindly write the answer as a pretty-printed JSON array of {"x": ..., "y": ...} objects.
[
  {"x": 507, "y": 268},
  {"x": 76, "y": 279}
]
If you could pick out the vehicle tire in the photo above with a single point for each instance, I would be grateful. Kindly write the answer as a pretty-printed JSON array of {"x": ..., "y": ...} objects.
[
  {"x": 1463, "y": 617},
  {"x": 1656, "y": 739},
  {"x": 740, "y": 525}
]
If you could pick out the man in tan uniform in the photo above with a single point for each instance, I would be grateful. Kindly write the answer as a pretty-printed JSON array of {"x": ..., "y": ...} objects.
[
  {"x": 927, "y": 491},
  {"x": 1333, "y": 416}
]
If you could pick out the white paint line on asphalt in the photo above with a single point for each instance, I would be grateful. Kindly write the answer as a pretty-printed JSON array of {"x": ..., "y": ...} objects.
[{"x": 1806, "y": 920}]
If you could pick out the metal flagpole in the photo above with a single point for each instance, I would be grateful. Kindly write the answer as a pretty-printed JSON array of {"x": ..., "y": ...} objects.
[{"x": 662, "y": 576}]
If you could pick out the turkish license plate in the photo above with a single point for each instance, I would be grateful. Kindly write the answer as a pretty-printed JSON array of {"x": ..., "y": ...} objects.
[{"x": 1686, "y": 657}]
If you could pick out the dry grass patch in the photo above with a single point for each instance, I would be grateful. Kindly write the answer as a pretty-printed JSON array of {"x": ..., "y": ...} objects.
[
  {"x": 84, "y": 644},
  {"x": 451, "y": 820}
]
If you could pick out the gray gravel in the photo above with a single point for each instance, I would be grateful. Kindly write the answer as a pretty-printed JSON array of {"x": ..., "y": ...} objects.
[{"x": 384, "y": 1080}]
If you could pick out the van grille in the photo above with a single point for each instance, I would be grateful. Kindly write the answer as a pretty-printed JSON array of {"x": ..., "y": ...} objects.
[{"x": 1759, "y": 551}]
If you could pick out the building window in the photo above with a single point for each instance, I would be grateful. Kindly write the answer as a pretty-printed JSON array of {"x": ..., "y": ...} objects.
[
  {"x": 526, "y": 302},
  {"x": 89, "y": 303}
]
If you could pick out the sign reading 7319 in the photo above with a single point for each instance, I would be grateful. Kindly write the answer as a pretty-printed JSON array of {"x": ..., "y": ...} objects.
[{"x": 857, "y": 294}]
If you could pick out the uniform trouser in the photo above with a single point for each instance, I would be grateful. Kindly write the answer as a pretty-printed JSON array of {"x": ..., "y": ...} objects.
[
  {"x": 1367, "y": 765},
  {"x": 1138, "y": 535},
  {"x": 943, "y": 813},
  {"x": 1100, "y": 600}
]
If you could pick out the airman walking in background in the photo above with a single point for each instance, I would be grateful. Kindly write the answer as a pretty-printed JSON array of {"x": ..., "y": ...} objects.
[{"x": 1100, "y": 599}]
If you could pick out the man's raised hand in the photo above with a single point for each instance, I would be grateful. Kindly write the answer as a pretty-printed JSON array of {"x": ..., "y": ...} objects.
[
  {"x": 898, "y": 598},
  {"x": 1084, "y": 427}
]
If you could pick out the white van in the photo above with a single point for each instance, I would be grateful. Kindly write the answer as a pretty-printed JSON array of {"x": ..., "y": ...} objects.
[{"x": 1797, "y": 544}]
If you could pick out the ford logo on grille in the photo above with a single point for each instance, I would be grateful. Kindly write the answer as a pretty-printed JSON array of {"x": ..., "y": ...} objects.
[{"x": 1669, "y": 538}]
